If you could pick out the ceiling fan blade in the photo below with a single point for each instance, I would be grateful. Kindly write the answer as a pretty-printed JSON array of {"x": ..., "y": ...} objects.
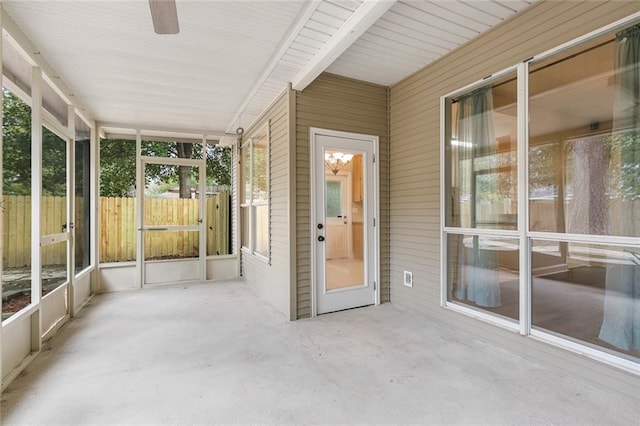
[{"x": 164, "y": 16}]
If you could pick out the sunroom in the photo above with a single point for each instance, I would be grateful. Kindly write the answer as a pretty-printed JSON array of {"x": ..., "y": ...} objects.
[{"x": 471, "y": 161}]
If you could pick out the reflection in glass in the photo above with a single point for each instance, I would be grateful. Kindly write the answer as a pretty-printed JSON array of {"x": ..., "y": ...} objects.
[
  {"x": 591, "y": 295},
  {"x": 481, "y": 157},
  {"x": 261, "y": 216},
  {"x": 255, "y": 193},
  {"x": 260, "y": 171},
  {"x": 82, "y": 192},
  {"x": 245, "y": 162},
  {"x": 344, "y": 227},
  {"x": 245, "y": 223},
  {"x": 16, "y": 205},
  {"x": 584, "y": 131},
  {"x": 483, "y": 273}
]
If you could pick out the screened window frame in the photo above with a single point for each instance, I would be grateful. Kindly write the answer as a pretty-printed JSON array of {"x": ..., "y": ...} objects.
[
  {"x": 523, "y": 232},
  {"x": 251, "y": 203}
]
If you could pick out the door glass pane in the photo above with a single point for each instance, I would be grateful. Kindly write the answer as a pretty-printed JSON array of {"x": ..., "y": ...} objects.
[
  {"x": 344, "y": 234},
  {"x": 589, "y": 293},
  {"x": 53, "y": 208},
  {"x": 483, "y": 273},
  {"x": 219, "y": 204},
  {"x": 171, "y": 199},
  {"x": 16, "y": 205},
  {"x": 218, "y": 223}
]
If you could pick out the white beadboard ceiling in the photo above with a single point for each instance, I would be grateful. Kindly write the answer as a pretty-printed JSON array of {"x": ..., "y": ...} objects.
[{"x": 232, "y": 58}]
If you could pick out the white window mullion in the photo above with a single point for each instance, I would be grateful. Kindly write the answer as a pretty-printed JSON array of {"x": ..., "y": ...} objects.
[
  {"x": 139, "y": 210},
  {"x": 523, "y": 196}
]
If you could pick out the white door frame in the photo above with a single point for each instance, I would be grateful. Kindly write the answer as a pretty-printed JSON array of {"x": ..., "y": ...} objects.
[
  {"x": 141, "y": 162},
  {"x": 313, "y": 133}
]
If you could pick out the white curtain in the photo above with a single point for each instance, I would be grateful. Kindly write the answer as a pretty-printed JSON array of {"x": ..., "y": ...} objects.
[
  {"x": 621, "y": 322},
  {"x": 478, "y": 279}
]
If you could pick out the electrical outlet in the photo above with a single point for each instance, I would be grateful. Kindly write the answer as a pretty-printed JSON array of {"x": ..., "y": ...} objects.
[{"x": 408, "y": 279}]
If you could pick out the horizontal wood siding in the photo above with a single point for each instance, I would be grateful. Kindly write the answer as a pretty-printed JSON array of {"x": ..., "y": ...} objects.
[
  {"x": 415, "y": 140},
  {"x": 343, "y": 104},
  {"x": 272, "y": 281}
]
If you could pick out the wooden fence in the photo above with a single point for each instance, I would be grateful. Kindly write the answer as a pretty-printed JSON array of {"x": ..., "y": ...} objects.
[
  {"x": 17, "y": 229},
  {"x": 117, "y": 229}
]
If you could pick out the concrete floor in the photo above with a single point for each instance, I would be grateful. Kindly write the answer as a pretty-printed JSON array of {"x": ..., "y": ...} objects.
[{"x": 215, "y": 353}]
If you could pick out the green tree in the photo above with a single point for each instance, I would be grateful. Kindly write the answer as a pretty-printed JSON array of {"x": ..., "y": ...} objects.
[
  {"x": 16, "y": 150},
  {"x": 118, "y": 168},
  {"x": 624, "y": 164}
]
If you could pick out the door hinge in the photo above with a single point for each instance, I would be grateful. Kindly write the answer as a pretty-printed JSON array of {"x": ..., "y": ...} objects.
[
  {"x": 374, "y": 222},
  {"x": 374, "y": 286},
  {"x": 374, "y": 158}
]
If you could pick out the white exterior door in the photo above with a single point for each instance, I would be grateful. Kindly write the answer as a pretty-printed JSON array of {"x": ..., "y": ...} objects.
[
  {"x": 170, "y": 243},
  {"x": 343, "y": 212}
]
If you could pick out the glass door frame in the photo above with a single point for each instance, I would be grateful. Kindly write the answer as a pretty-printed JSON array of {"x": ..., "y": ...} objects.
[
  {"x": 67, "y": 135},
  {"x": 141, "y": 162}
]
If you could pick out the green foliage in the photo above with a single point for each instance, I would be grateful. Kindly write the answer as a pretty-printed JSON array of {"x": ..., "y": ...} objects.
[
  {"x": 624, "y": 164},
  {"x": 54, "y": 164},
  {"x": 16, "y": 131},
  {"x": 16, "y": 150},
  {"x": 218, "y": 165},
  {"x": 118, "y": 169},
  {"x": 117, "y": 159}
]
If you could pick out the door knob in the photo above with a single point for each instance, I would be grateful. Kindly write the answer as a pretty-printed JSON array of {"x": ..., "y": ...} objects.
[{"x": 321, "y": 238}]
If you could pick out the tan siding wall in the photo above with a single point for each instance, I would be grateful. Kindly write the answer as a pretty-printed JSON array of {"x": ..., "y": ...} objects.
[
  {"x": 415, "y": 140},
  {"x": 343, "y": 104},
  {"x": 272, "y": 281}
]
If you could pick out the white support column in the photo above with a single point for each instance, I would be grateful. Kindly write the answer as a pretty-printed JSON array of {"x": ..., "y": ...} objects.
[
  {"x": 139, "y": 211},
  {"x": 36, "y": 208},
  {"x": 1, "y": 197},
  {"x": 204, "y": 226},
  {"x": 94, "y": 167},
  {"x": 523, "y": 185},
  {"x": 235, "y": 191},
  {"x": 71, "y": 207}
]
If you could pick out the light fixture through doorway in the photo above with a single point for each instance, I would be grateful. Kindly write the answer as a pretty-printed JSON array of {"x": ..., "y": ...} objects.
[{"x": 336, "y": 161}]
